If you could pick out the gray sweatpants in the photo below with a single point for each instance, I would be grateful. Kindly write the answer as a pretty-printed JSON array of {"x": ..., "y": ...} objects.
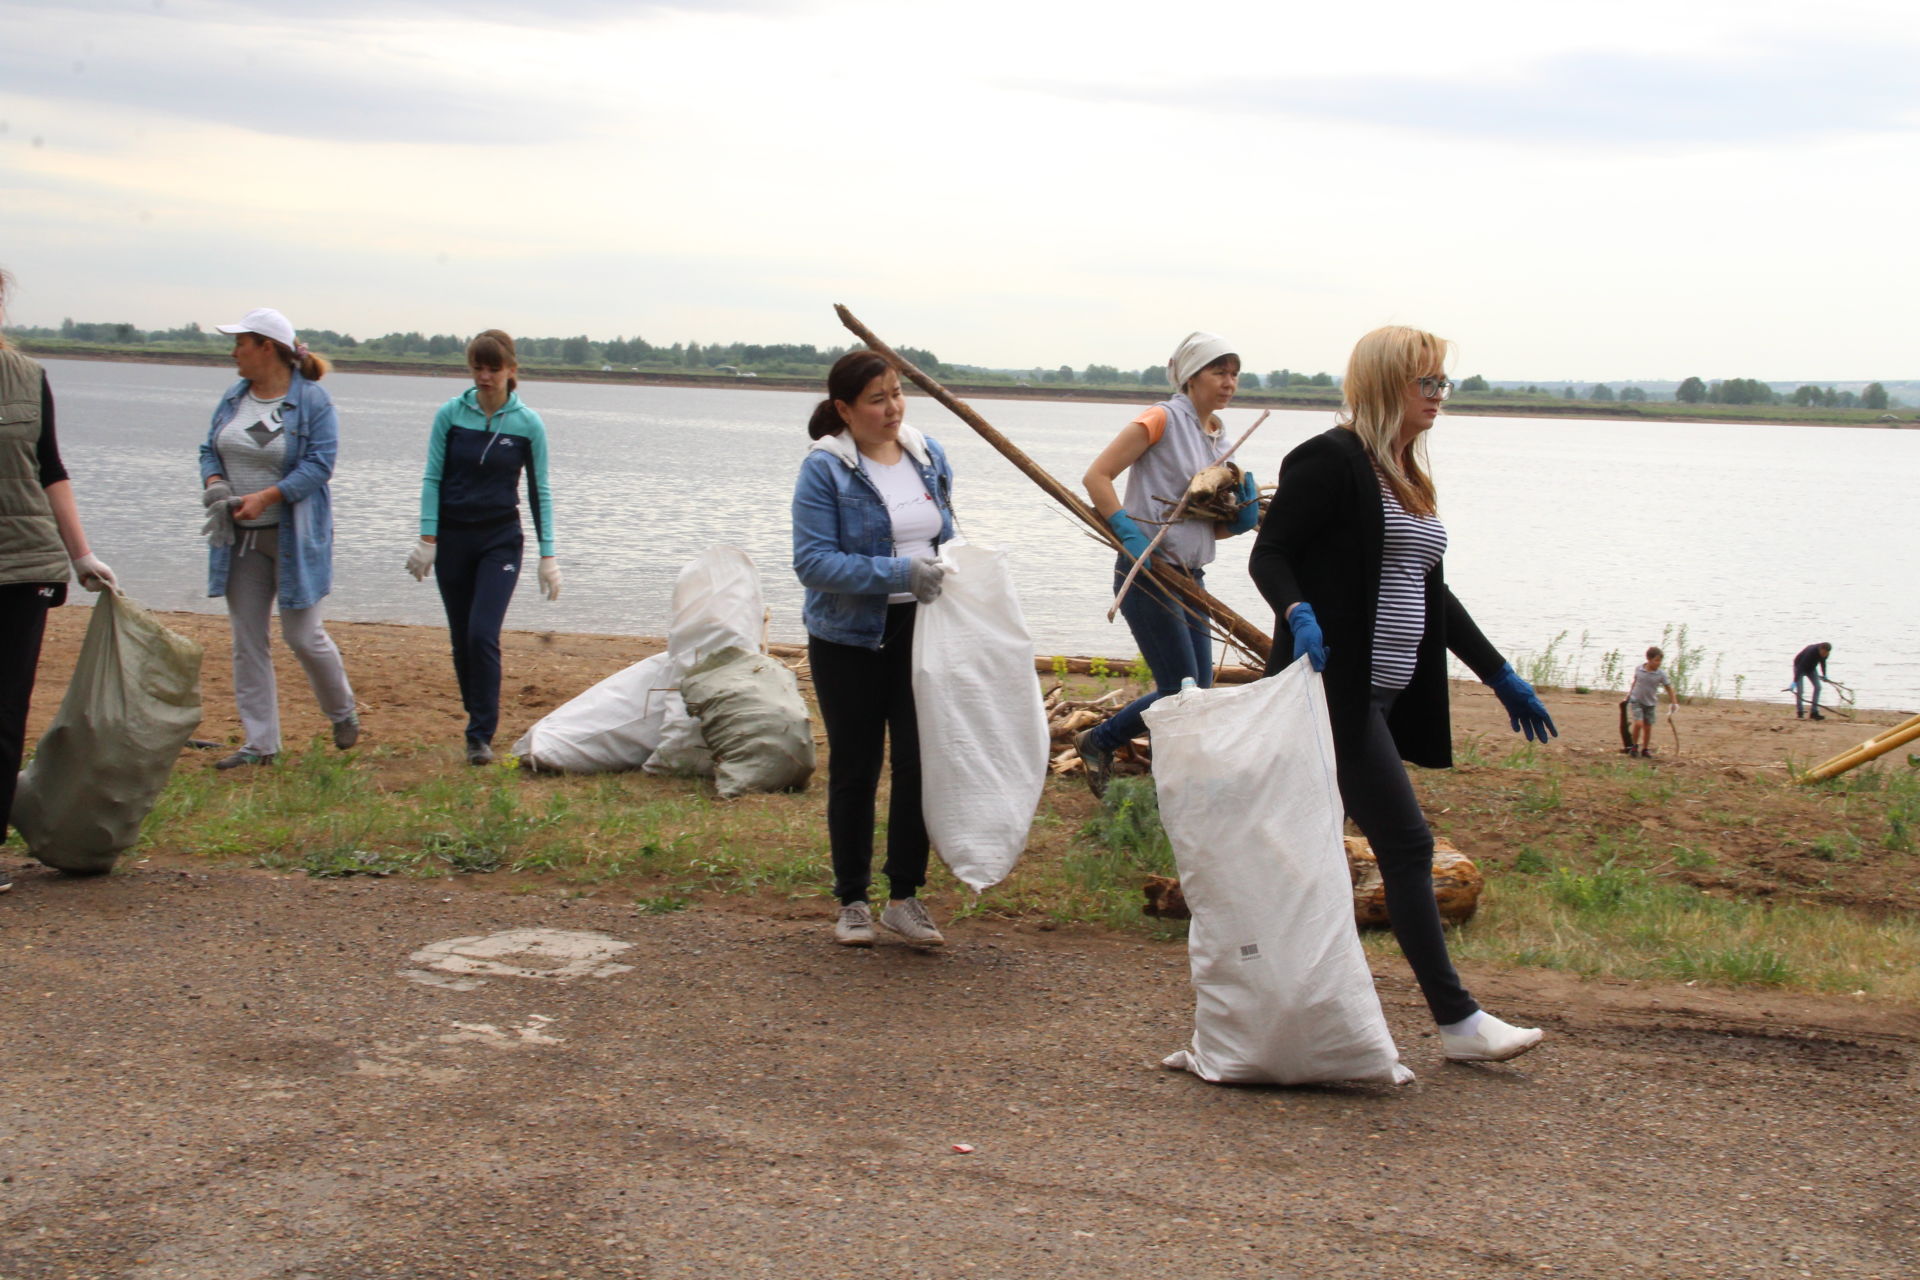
[{"x": 252, "y": 583}]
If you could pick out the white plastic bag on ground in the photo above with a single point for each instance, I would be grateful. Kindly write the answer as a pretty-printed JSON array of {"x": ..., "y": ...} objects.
[
  {"x": 132, "y": 704},
  {"x": 716, "y": 605},
  {"x": 983, "y": 730},
  {"x": 754, "y": 721},
  {"x": 612, "y": 726},
  {"x": 1282, "y": 993}
]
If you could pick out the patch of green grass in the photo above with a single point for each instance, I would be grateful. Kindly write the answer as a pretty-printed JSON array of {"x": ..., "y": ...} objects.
[{"x": 662, "y": 903}]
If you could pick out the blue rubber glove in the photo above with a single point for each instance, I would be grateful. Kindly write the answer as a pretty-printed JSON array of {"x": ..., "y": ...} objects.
[
  {"x": 1249, "y": 506},
  {"x": 1129, "y": 534},
  {"x": 1306, "y": 636},
  {"x": 1524, "y": 709}
]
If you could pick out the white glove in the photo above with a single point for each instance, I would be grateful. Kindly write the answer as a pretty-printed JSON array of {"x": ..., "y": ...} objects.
[
  {"x": 94, "y": 574},
  {"x": 420, "y": 559},
  {"x": 549, "y": 577},
  {"x": 923, "y": 580}
]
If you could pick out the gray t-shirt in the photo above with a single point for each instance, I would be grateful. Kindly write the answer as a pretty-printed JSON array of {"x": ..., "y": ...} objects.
[
  {"x": 253, "y": 452},
  {"x": 1647, "y": 685}
]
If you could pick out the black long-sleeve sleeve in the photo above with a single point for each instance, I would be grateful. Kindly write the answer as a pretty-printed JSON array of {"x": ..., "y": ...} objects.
[{"x": 48, "y": 448}]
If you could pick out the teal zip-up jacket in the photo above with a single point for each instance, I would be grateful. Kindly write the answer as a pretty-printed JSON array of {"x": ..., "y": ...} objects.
[{"x": 474, "y": 465}]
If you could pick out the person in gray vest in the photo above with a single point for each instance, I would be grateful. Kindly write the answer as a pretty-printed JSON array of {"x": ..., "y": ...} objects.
[
  {"x": 266, "y": 470},
  {"x": 41, "y": 543},
  {"x": 1160, "y": 451}
]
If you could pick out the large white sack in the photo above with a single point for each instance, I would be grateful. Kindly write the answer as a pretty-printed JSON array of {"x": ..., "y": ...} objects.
[
  {"x": 612, "y": 726},
  {"x": 1282, "y": 993},
  {"x": 983, "y": 730},
  {"x": 716, "y": 605}
]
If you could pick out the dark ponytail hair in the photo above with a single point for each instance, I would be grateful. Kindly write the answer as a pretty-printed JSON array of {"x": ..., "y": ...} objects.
[
  {"x": 845, "y": 381},
  {"x": 493, "y": 349}
]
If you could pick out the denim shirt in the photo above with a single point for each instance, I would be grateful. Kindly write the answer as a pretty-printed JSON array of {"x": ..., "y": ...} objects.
[
  {"x": 843, "y": 537},
  {"x": 306, "y": 532}
]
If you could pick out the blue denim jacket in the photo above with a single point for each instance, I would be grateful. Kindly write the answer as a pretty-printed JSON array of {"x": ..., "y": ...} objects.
[
  {"x": 306, "y": 530},
  {"x": 843, "y": 537}
]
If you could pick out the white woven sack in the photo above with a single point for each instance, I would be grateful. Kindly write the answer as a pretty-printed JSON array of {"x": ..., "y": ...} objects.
[
  {"x": 983, "y": 731},
  {"x": 1282, "y": 993},
  {"x": 716, "y": 605},
  {"x": 612, "y": 726}
]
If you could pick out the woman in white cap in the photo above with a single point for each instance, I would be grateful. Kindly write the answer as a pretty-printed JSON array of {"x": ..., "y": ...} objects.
[
  {"x": 41, "y": 544},
  {"x": 266, "y": 468},
  {"x": 1160, "y": 451}
]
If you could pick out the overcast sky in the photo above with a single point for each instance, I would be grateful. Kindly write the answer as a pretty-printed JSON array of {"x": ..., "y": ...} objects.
[{"x": 1611, "y": 191}]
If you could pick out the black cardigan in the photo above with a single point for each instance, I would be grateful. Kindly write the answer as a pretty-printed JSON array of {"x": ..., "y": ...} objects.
[{"x": 1322, "y": 541}]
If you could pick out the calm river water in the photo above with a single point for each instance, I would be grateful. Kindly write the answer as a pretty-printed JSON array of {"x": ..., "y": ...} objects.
[{"x": 1758, "y": 538}]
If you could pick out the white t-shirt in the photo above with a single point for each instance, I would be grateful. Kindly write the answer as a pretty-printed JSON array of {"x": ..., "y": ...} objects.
[{"x": 915, "y": 515}]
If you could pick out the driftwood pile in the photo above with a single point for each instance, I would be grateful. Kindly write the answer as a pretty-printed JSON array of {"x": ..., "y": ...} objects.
[
  {"x": 1457, "y": 883},
  {"x": 1068, "y": 717}
]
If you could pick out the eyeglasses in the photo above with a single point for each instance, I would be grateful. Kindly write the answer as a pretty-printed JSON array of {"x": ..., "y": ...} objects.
[{"x": 1434, "y": 388}]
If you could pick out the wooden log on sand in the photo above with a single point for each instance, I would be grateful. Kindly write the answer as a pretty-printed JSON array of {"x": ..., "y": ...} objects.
[{"x": 1457, "y": 884}]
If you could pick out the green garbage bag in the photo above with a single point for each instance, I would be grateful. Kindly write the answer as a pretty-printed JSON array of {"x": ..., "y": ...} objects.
[
  {"x": 753, "y": 721},
  {"x": 133, "y": 703}
]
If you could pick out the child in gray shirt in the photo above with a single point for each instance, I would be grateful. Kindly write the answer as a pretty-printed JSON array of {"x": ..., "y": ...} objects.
[{"x": 1644, "y": 697}]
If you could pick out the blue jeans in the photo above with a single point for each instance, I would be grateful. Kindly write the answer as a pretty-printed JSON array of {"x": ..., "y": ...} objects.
[{"x": 1174, "y": 644}]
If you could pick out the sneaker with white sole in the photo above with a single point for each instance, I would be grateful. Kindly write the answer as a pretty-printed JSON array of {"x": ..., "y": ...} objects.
[
  {"x": 6, "y": 881},
  {"x": 908, "y": 917},
  {"x": 854, "y": 928},
  {"x": 1491, "y": 1040}
]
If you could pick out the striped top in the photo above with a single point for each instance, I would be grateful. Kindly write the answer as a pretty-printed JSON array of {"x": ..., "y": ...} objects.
[{"x": 1414, "y": 545}]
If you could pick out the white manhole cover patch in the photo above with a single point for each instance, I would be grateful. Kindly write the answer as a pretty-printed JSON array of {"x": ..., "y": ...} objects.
[{"x": 556, "y": 955}]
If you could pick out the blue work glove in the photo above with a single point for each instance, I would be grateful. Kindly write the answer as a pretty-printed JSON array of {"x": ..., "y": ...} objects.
[
  {"x": 1524, "y": 709},
  {"x": 1249, "y": 515},
  {"x": 1129, "y": 534},
  {"x": 1306, "y": 636}
]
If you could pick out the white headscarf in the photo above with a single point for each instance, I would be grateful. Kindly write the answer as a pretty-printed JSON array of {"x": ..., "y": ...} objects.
[{"x": 1198, "y": 350}]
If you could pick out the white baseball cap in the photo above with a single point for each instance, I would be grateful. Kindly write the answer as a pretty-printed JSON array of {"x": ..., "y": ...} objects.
[{"x": 266, "y": 322}]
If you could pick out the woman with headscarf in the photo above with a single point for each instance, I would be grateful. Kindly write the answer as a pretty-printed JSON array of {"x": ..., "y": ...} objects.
[
  {"x": 1349, "y": 557},
  {"x": 1160, "y": 451},
  {"x": 42, "y": 544},
  {"x": 266, "y": 470}
]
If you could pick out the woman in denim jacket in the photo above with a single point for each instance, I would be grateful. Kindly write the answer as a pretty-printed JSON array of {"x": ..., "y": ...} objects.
[
  {"x": 265, "y": 471},
  {"x": 870, "y": 510}
]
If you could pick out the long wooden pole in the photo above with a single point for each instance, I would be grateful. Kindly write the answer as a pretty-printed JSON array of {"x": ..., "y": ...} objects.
[
  {"x": 1243, "y": 633},
  {"x": 1878, "y": 745}
]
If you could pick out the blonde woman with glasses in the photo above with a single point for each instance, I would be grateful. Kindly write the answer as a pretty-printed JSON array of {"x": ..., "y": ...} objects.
[{"x": 1349, "y": 556}]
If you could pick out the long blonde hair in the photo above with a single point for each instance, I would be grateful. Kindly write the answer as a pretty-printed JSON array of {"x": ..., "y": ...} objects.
[
  {"x": 1378, "y": 371},
  {"x": 6, "y": 287}
]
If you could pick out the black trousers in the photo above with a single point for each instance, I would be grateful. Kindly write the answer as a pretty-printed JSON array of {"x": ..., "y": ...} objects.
[
  {"x": 21, "y": 632},
  {"x": 865, "y": 699},
  {"x": 477, "y": 568},
  {"x": 1379, "y": 798}
]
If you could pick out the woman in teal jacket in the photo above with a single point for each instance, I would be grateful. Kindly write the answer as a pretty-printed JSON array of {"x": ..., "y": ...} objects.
[{"x": 470, "y": 534}]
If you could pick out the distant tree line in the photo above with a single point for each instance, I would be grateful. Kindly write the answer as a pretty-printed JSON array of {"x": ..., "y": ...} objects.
[
  {"x": 806, "y": 360},
  {"x": 1754, "y": 391}
]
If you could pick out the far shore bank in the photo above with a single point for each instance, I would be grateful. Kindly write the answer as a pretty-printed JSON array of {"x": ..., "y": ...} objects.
[{"x": 1658, "y": 411}]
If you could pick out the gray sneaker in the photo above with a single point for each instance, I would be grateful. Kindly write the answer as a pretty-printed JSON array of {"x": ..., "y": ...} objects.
[
  {"x": 6, "y": 881},
  {"x": 346, "y": 732},
  {"x": 1097, "y": 762},
  {"x": 243, "y": 757},
  {"x": 854, "y": 928},
  {"x": 910, "y": 920}
]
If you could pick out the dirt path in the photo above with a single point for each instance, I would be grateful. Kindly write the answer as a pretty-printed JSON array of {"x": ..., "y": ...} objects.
[{"x": 224, "y": 1075}]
